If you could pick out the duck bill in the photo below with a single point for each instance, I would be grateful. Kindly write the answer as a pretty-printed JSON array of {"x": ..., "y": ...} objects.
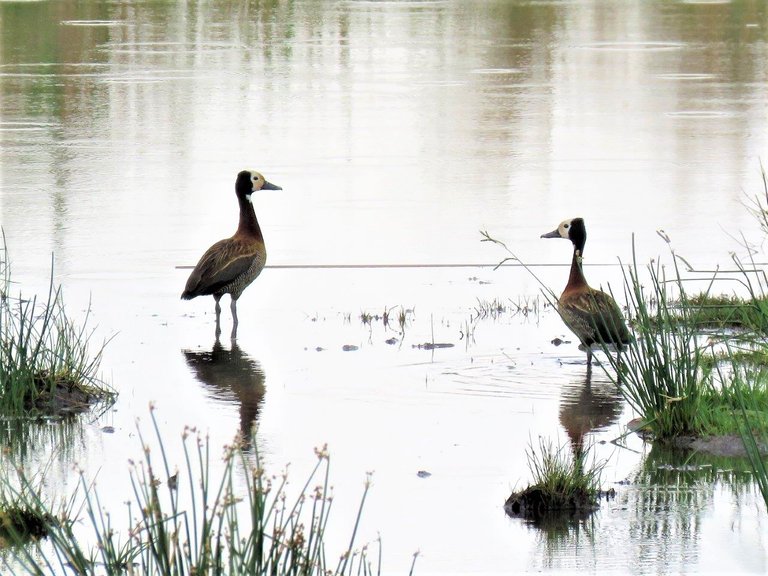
[
  {"x": 270, "y": 186},
  {"x": 554, "y": 234}
]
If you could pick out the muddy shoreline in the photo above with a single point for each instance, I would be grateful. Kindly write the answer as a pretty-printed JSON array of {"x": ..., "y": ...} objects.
[{"x": 730, "y": 445}]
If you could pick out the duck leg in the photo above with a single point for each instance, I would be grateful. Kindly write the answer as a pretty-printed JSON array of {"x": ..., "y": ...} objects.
[
  {"x": 233, "y": 307},
  {"x": 218, "y": 316}
]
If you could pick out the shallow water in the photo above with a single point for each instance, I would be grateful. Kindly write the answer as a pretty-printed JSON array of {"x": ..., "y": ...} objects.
[{"x": 398, "y": 131}]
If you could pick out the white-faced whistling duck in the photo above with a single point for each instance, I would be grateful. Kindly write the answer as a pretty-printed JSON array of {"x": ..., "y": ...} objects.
[
  {"x": 590, "y": 314},
  {"x": 230, "y": 265}
]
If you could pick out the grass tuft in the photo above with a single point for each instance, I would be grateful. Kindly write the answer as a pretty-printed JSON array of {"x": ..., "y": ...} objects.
[
  {"x": 46, "y": 367},
  {"x": 21, "y": 524},
  {"x": 562, "y": 483}
]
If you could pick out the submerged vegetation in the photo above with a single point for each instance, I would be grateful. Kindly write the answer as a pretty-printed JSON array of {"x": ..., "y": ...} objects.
[
  {"x": 46, "y": 367},
  {"x": 243, "y": 523},
  {"x": 495, "y": 308},
  {"x": 388, "y": 318}
]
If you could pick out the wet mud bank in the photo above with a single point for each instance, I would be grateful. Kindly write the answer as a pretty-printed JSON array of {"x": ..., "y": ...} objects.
[
  {"x": 730, "y": 445},
  {"x": 536, "y": 504}
]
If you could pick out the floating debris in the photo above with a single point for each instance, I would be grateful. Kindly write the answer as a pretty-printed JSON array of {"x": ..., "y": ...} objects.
[
  {"x": 609, "y": 494},
  {"x": 349, "y": 347},
  {"x": 432, "y": 345},
  {"x": 423, "y": 474},
  {"x": 391, "y": 341}
]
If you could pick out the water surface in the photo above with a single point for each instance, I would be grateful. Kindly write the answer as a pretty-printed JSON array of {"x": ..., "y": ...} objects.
[{"x": 397, "y": 130}]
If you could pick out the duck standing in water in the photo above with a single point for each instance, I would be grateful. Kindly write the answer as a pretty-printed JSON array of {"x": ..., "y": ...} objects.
[
  {"x": 589, "y": 313},
  {"x": 230, "y": 265}
]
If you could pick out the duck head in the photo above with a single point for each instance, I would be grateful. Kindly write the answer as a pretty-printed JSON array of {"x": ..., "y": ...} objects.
[
  {"x": 573, "y": 230},
  {"x": 249, "y": 181}
]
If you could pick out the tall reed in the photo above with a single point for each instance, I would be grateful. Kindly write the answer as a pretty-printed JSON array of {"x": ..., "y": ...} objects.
[
  {"x": 751, "y": 416},
  {"x": 661, "y": 373},
  {"x": 241, "y": 523},
  {"x": 752, "y": 410}
]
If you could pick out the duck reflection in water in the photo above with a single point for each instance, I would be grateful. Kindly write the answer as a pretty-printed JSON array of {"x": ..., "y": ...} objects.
[
  {"x": 234, "y": 377},
  {"x": 586, "y": 407}
]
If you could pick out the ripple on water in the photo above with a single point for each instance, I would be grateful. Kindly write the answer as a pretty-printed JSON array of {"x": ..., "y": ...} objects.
[
  {"x": 406, "y": 5},
  {"x": 701, "y": 114},
  {"x": 522, "y": 378},
  {"x": 706, "y": 1},
  {"x": 94, "y": 23},
  {"x": 684, "y": 77},
  {"x": 633, "y": 46},
  {"x": 132, "y": 80},
  {"x": 442, "y": 83},
  {"x": 158, "y": 48},
  {"x": 25, "y": 126},
  {"x": 52, "y": 70},
  {"x": 496, "y": 71}
]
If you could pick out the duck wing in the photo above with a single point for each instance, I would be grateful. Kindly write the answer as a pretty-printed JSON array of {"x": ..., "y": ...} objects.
[
  {"x": 594, "y": 317},
  {"x": 221, "y": 264}
]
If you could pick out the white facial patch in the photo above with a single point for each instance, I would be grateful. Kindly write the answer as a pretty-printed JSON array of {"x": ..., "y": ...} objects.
[{"x": 564, "y": 229}]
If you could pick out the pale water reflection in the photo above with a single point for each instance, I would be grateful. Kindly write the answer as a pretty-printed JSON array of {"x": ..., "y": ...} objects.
[
  {"x": 231, "y": 376},
  {"x": 588, "y": 405},
  {"x": 398, "y": 130}
]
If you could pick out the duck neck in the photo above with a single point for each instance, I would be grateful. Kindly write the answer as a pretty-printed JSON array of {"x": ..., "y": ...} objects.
[
  {"x": 576, "y": 277},
  {"x": 248, "y": 225}
]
